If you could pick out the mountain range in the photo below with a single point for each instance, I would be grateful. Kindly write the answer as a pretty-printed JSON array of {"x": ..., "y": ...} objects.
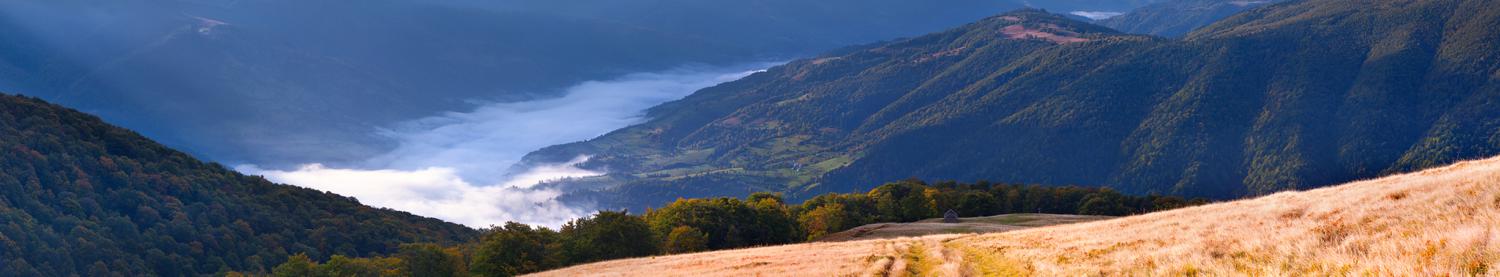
[
  {"x": 1294, "y": 95},
  {"x": 1286, "y": 96},
  {"x": 276, "y": 82},
  {"x": 81, "y": 196}
]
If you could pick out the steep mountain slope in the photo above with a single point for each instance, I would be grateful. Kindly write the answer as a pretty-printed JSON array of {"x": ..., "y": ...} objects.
[
  {"x": 742, "y": 132},
  {"x": 1440, "y": 221},
  {"x": 81, "y": 197},
  {"x": 1176, "y": 18},
  {"x": 1296, "y": 95}
]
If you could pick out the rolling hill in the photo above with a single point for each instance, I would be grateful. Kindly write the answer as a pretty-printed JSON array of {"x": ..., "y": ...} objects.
[
  {"x": 81, "y": 197},
  {"x": 1440, "y": 221},
  {"x": 1290, "y": 96}
]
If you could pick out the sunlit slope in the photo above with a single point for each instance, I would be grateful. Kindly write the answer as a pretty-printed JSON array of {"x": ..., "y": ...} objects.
[
  {"x": 880, "y": 257},
  {"x": 1441, "y": 221},
  {"x": 1444, "y": 221}
]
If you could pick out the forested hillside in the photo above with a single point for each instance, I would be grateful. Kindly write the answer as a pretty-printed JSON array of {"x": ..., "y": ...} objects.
[
  {"x": 1290, "y": 96},
  {"x": 80, "y": 197}
]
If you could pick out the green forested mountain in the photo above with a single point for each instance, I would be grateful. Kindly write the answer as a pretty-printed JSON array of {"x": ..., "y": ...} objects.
[
  {"x": 80, "y": 197},
  {"x": 1176, "y": 18},
  {"x": 1289, "y": 96}
]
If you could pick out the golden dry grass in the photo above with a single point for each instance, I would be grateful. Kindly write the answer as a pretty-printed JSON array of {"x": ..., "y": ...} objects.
[
  {"x": 884, "y": 249},
  {"x": 854, "y": 258},
  {"x": 1439, "y": 222}
]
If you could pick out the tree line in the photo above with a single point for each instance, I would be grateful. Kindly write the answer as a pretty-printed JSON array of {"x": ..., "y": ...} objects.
[{"x": 704, "y": 224}]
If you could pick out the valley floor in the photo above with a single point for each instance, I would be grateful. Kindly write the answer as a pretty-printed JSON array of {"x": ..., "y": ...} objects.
[{"x": 1441, "y": 221}]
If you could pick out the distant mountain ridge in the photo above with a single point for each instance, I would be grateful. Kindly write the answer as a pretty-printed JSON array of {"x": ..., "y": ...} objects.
[
  {"x": 80, "y": 197},
  {"x": 1297, "y": 95}
]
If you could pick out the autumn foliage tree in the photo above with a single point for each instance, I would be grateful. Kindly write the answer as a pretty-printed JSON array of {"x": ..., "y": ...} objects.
[
  {"x": 431, "y": 260},
  {"x": 684, "y": 239},
  {"x": 605, "y": 236},
  {"x": 514, "y": 249}
]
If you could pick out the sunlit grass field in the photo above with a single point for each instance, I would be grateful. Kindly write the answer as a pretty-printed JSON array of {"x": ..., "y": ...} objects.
[{"x": 1440, "y": 222}]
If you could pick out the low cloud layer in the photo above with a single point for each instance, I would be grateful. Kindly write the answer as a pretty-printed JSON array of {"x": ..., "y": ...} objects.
[
  {"x": 435, "y": 192},
  {"x": 453, "y": 166},
  {"x": 1096, "y": 15}
]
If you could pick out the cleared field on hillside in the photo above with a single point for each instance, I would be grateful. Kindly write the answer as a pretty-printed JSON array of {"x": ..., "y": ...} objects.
[
  {"x": 968, "y": 225},
  {"x": 1436, "y": 222}
]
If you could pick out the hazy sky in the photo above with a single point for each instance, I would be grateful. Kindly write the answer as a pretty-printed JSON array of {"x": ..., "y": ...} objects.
[{"x": 453, "y": 166}]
